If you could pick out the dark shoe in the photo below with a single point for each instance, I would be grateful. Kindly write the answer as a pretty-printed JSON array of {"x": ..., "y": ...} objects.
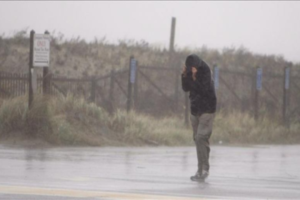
[
  {"x": 204, "y": 174},
  {"x": 197, "y": 177}
]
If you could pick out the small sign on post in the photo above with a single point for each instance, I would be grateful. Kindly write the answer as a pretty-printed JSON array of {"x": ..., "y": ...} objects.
[
  {"x": 39, "y": 56},
  {"x": 259, "y": 79},
  {"x": 41, "y": 50}
]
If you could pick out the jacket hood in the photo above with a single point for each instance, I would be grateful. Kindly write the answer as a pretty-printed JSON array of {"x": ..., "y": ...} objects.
[{"x": 193, "y": 61}]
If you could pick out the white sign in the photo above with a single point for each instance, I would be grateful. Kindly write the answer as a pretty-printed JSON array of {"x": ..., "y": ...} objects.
[{"x": 41, "y": 50}]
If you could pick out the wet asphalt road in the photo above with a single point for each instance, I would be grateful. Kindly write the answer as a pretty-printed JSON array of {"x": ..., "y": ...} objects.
[{"x": 255, "y": 172}]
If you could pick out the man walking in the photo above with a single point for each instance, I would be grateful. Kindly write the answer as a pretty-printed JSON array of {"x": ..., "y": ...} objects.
[{"x": 196, "y": 79}]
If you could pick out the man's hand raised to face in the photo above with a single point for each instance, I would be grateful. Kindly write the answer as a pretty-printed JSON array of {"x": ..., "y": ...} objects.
[
  {"x": 194, "y": 71},
  {"x": 184, "y": 71}
]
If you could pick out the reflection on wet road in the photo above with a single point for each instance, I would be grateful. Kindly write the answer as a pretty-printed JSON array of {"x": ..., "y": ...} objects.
[{"x": 257, "y": 172}]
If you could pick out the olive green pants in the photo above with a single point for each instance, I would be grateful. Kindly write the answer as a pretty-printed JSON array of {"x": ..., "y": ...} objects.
[{"x": 202, "y": 129}]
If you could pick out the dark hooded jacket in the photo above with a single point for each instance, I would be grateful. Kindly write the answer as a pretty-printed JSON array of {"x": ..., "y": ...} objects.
[{"x": 202, "y": 91}]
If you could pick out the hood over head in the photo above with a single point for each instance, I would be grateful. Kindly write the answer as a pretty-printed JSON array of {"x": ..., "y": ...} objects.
[{"x": 193, "y": 61}]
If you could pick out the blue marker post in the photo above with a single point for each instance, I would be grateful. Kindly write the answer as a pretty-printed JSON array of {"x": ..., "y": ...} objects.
[
  {"x": 257, "y": 91},
  {"x": 259, "y": 79},
  {"x": 216, "y": 79}
]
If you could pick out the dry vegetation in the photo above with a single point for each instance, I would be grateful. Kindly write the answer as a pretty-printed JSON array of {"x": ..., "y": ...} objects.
[
  {"x": 73, "y": 121},
  {"x": 77, "y": 58}
]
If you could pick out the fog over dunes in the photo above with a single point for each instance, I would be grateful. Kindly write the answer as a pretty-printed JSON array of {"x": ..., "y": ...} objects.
[{"x": 262, "y": 27}]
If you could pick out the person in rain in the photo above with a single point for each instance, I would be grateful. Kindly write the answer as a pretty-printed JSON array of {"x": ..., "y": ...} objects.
[{"x": 197, "y": 80}]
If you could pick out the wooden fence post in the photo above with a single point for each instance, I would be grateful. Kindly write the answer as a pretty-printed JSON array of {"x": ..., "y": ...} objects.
[
  {"x": 285, "y": 102},
  {"x": 30, "y": 95},
  {"x": 46, "y": 77},
  {"x": 177, "y": 77},
  {"x": 135, "y": 96},
  {"x": 111, "y": 90}
]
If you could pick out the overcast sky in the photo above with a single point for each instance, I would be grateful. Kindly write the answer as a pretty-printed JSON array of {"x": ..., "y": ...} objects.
[{"x": 262, "y": 27}]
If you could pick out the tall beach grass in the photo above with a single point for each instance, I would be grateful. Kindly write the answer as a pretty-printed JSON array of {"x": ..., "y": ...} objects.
[{"x": 73, "y": 121}]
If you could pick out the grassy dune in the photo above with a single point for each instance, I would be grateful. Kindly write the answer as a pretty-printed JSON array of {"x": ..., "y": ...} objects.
[
  {"x": 77, "y": 58},
  {"x": 72, "y": 121}
]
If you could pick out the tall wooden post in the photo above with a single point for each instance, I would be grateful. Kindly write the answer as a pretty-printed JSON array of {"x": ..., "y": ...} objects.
[
  {"x": 172, "y": 37},
  {"x": 285, "y": 102},
  {"x": 172, "y": 64},
  {"x": 30, "y": 98}
]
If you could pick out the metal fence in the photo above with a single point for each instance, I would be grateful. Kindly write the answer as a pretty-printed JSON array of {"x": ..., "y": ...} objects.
[{"x": 157, "y": 91}]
